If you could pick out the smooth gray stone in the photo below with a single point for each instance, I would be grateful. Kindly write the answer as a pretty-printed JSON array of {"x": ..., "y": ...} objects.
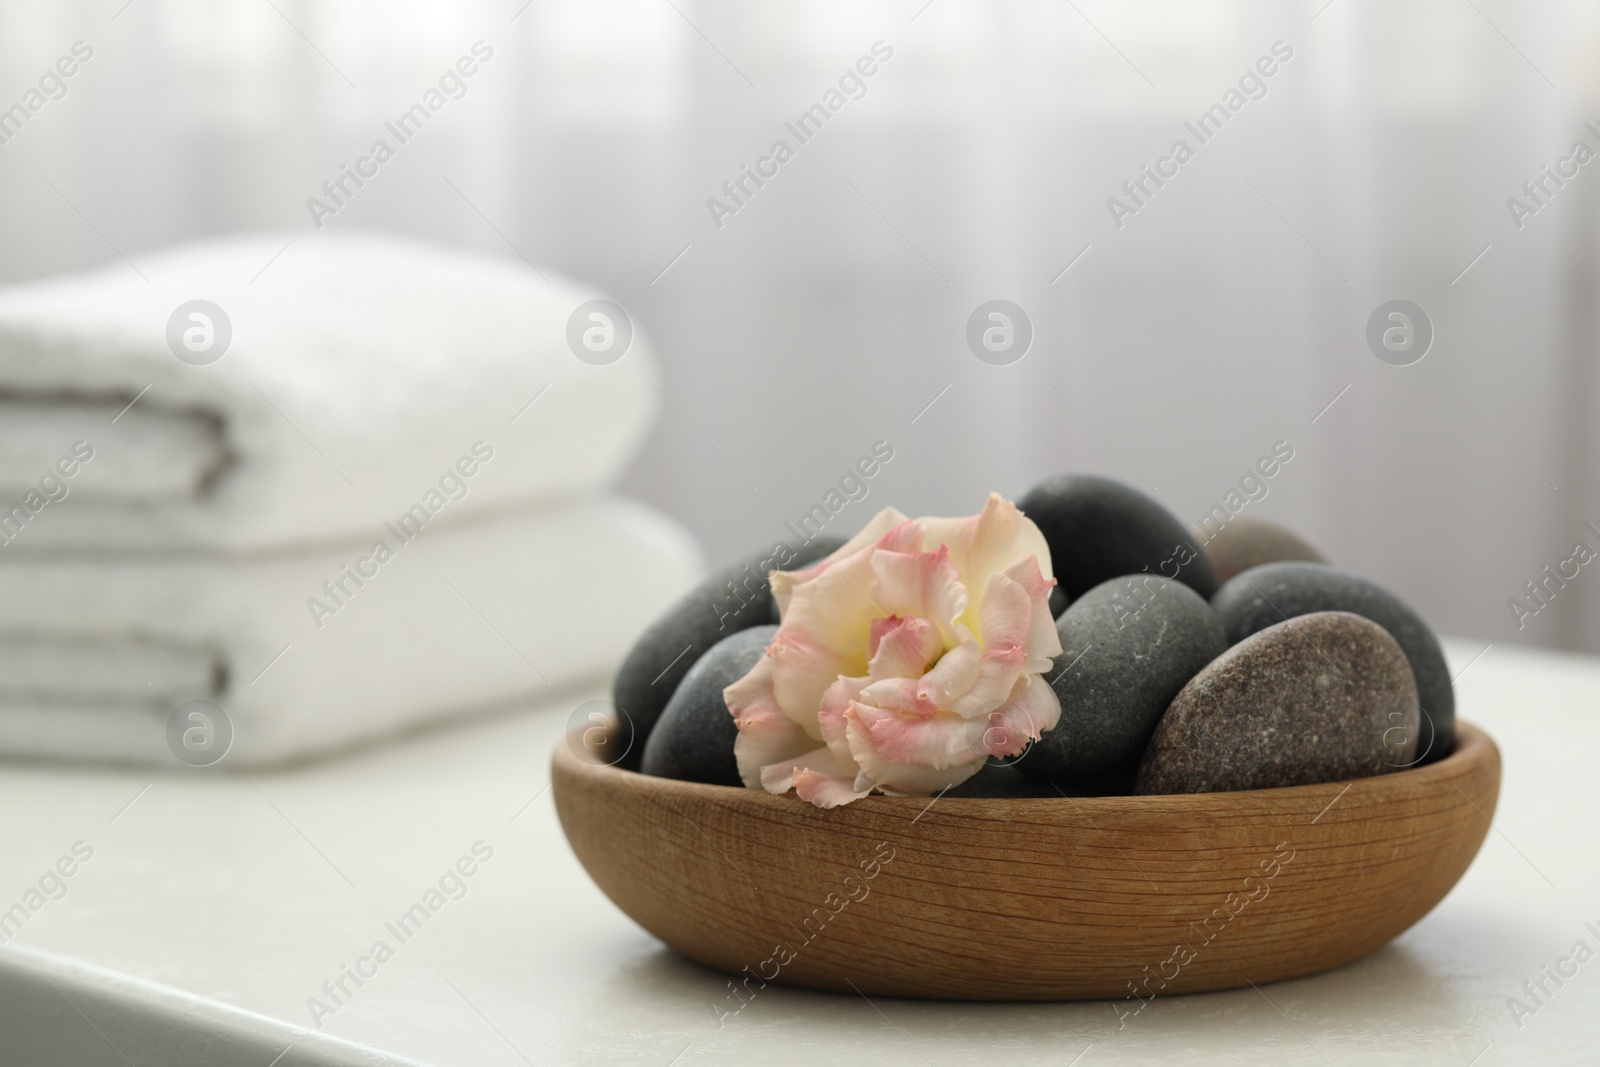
[
  {"x": 1322, "y": 697},
  {"x": 1000, "y": 780},
  {"x": 693, "y": 741},
  {"x": 1266, "y": 595},
  {"x": 1246, "y": 542},
  {"x": 735, "y": 598},
  {"x": 1128, "y": 646},
  {"x": 1100, "y": 529}
]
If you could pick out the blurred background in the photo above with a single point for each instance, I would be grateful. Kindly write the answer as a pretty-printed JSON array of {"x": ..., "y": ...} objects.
[{"x": 1173, "y": 346}]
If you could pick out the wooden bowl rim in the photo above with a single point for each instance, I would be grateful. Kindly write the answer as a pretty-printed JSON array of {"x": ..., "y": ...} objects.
[{"x": 1473, "y": 746}]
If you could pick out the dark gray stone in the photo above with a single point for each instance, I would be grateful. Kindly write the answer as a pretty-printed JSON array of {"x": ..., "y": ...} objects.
[
  {"x": 1128, "y": 646},
  {"x": 693, "y": 740},
  {"x": 1321, "y": 698},
  {"x": 1247, "y": 542},
  {"x": 735, "y": 598},
  {"x": 1099, "y": 529},
  {"x": 1000, "y": 780},
  {"x": 1266, "y": 595}
]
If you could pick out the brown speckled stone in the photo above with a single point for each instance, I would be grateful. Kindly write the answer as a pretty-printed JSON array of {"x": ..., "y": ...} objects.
[
  {"x": 1246, "y": 543},
  {"x": 1319, "y": 698}
]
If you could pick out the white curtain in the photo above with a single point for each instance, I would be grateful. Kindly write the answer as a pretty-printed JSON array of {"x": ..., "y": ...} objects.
[{"x": 1173, "y": 351}]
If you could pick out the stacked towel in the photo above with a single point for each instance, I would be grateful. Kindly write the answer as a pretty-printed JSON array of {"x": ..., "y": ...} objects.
[
  {"x": 381, "y": 505},
  {"x": 358, "y": 368}
]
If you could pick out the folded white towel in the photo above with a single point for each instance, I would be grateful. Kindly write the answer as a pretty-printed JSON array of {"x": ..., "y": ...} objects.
[
  {"x": 304, "y": 654},
  {"x": 360, "y": 369}
]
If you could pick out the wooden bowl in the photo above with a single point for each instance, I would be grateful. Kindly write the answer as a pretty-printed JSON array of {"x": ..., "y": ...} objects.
[{"x": 1030, "y": 899}]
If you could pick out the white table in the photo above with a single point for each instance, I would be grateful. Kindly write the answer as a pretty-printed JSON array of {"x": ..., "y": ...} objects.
[{"x": 214, "y": 906}]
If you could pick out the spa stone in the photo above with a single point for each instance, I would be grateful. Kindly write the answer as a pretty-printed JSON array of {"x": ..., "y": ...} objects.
[
  {"x": 1265, "y": 595},
  {"x": 735, "y": 598},
  {"x": 1000, "y": 780},
  {"x": 1099, "y": 529},
  {"x": 693, "y": 741},
  {"x": 1246, "y": 543},
  {"x": 1129, "y": 645},
  {"x": 1322, "y": 697}
]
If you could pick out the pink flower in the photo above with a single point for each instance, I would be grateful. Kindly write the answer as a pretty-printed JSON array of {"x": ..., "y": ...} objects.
[{"x": 888, "y": 674}]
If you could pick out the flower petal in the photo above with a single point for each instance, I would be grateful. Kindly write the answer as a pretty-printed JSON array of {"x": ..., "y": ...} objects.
[
  {"x": 903, "y": 647},
  {"x": 804, "y": 664},
  {"x": 1043, "y": 643},
  {"x": 921, "y": 584},
  {"x": 817, "y": 776},
  {"x": 827, "y": 792},
  {"x": 1033, "y": 708},
  {"x": 830, "y": 717},
  {"x": 887, "y": 736},
  {"x": 952, "y": 676},
  {"x": 1016, "y": 634},
  {"x": 827, "y": 629},
  {"x": 766, "y": 734},
  {"x": 901, "y": 695},
  {"x": 937, "y": 752},
  {"x": 880, "y": 525},
  {"x": 988, "y": 543}
]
